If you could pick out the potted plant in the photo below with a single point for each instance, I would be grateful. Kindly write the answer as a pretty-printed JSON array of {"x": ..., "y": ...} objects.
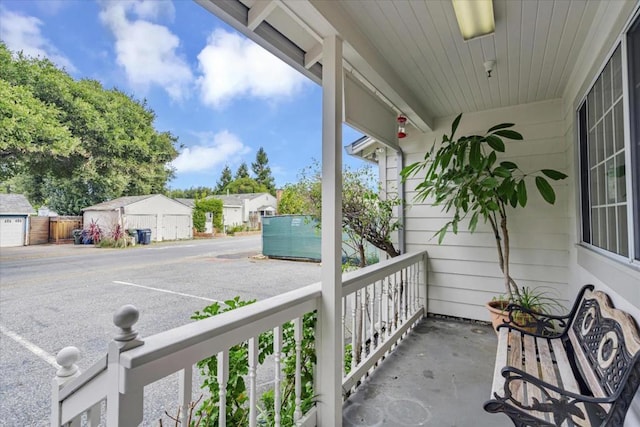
[{"x": 463, "y": 176}]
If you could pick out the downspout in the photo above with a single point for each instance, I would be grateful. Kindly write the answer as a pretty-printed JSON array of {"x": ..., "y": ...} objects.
[{"x": 401, "y": 214}]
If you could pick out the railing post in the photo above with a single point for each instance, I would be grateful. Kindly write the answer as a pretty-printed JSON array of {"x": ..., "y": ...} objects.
[
  {"x": 66, "y": 358},
  {"x": 124, "y": 396},
  {"x": 425, "y": 287}
]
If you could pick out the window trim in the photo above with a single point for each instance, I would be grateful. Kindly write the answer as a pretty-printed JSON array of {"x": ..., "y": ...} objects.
[{"x": 632, "y": 182}]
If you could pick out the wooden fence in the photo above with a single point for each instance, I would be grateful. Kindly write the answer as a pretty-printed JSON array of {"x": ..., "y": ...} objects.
[
  {"x": 55, "y": 229},
  {"x": 61, "y": 228},
  {"x": 38, "y": 230}
]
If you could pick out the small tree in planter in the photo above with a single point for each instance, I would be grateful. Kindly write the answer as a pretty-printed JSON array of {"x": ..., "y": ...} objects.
[{"x": 464, "y": 177}]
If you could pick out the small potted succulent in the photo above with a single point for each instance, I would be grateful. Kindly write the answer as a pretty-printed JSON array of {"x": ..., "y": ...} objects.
[{"x": 463, "y": 176}]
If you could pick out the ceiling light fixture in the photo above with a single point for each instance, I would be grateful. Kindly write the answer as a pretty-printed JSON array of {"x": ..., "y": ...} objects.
[{"x": 475, "y": 17}]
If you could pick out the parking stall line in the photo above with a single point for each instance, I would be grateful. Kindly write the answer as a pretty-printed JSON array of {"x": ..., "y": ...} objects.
[
  {"x": 50, "y": 359},
  {"x": 166, "y": 291}
]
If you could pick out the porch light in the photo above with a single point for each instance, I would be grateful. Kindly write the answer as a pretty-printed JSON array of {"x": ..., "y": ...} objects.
[
  {"x": 402, "y": 121},
  {"x": 475, "y": 17}
]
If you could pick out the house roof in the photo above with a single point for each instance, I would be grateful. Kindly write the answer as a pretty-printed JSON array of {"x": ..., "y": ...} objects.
[
  {"x": 187, "y": 202},
  {"x": 237, "y": 199},
  {"x": 120, "y": 202},
  {"x": 15, "y": 204}
]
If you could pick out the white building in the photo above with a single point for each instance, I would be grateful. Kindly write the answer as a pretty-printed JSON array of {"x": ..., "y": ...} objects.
[
  {"x": 166, "y": 218},
  {"x": 246, "y": 209}
]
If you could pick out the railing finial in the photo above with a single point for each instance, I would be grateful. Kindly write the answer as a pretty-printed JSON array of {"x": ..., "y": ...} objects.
[
  {"x": 124, "y": 319},
  {"x": 67, "y": 358}
]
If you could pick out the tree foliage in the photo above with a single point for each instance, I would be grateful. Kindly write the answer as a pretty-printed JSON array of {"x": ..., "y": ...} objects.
[
  {"x": 246, "y": 185},
  {"x": 190, "y": 193},
  {"x": 74, "y": 142},
  {"x": 262, "y": 171},
  {"x": 464, "y": 177},
  {"x": 243, "y": 171},
  {"x": 225, "y": 180}
]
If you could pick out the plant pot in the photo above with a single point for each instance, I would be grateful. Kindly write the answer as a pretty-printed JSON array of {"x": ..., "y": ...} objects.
[
  {"x": 497, "y": 312},
  {"x": 499, "y": 315}
]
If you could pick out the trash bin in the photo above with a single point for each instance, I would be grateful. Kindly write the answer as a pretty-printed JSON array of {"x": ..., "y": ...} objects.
[
  {"x": 77, "y": 236},
  {"x": 133, "y": 233},
  {"x": 144, "y": 236}
]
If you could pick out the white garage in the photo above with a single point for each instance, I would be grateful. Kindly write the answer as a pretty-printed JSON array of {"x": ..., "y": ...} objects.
[
  {"x": 14, "y": 219},
  {"x": 166, "y": 218}
]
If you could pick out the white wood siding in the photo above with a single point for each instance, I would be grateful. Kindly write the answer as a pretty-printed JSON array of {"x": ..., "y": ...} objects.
[
  {"x": 149, "y": 221},
  {"x": 106, "y": 220},
  {"x": 463, "y": 271}
]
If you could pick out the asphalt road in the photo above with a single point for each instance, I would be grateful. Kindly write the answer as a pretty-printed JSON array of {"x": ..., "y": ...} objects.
[{"x": 55, "y": 296}]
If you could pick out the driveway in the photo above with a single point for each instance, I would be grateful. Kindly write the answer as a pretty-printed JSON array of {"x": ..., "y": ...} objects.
[{"x": 55, "y": 296}]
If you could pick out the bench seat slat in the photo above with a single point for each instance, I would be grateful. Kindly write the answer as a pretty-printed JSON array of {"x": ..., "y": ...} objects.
[
  {"x": 569, "y": 382},
  {"x": 515, "y": 360},
  {"x": 501, "y": 361},
  {"x": 531, "y": 367}
]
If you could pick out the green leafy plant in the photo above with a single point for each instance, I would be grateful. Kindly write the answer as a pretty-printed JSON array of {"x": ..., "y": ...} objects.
[
  {"x": 464, "y": 177},
  {"x": 237, "y": 410}
]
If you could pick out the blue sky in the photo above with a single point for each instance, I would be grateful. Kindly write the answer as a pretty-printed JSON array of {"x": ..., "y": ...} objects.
[{"x": 221, "y": 94}]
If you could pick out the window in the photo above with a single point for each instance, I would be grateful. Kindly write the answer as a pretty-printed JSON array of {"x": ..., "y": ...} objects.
[{"x": 609, "y": 199}]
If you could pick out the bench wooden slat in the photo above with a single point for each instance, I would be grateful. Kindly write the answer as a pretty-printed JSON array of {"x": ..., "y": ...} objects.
[
  {"x": 531, "y": 367},
  {"x": 515, "y": 360},
  {"x": 569, "y": 382},
  {"x": 590, "y": 376},
  {"x": 501, "y": 362},
  {"x": 547, "y": 369}
]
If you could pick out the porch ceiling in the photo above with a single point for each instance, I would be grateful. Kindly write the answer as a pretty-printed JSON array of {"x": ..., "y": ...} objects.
[{"x": 412, "y": 54}]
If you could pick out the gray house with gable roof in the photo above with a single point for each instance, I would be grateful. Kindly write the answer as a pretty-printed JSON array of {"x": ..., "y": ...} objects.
[{"x": 14, "y": 220}]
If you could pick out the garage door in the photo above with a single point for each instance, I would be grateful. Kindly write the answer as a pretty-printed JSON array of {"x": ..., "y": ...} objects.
[
  {"x": 12, "y": 231},
  {"x": 176, "y": 227}
]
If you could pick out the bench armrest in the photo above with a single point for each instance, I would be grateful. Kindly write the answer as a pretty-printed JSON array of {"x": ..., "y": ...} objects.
[
  {"x": 537, "y": 323},
  {"x": 562, "y": 404}
]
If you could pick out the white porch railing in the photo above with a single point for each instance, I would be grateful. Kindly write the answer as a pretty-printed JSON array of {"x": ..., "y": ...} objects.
[{"x": 381, "y": 303}]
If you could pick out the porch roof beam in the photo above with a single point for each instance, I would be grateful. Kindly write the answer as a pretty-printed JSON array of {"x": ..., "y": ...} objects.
[
  {"x": 259, "y": 12},
  {"x": 363, "y": 56},
  {"x": 236, "y": 14}
]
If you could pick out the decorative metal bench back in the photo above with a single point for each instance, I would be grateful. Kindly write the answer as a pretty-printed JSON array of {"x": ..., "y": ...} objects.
[{"x": 610, "y": 341}]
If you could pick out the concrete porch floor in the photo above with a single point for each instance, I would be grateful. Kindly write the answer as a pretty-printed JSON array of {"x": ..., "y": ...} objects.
[{"x": 440, "y": 375}]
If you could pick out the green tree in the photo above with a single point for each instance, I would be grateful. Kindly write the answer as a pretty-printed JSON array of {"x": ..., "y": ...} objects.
[
  {"x": 225, "y": 179},
  {"x": 190, "y": 193},
  {"x": 243, "y": 171},
  {"x": 262, "y": 171},
  {"x": 246, "y": 185},
  {"x": 74, "y": 142},
  {"x": 294, "y": 200}
]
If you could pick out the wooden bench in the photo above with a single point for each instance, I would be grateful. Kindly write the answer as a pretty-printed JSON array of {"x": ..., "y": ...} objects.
[{"x": 581, "y": 369}]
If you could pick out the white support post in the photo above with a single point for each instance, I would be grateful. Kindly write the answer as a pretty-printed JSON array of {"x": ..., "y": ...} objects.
[
  {"x": 66, "y": 358},
  {"x": 329, "y": 357},
  {"x": 253, "y": 363},
  {"x": 185, "y": 381},
  {"x": 124, "y": 393}
]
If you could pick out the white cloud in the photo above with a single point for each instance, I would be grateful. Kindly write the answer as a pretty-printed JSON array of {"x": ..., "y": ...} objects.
[
  {"x": 233, "y": 66},
  {"x": 22, "y": 33},
  {"x": 147, "y": 51},
  {"x": 215, "y": 149}
]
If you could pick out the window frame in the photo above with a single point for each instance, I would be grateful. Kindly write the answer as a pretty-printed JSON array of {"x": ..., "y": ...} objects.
[{"x": 632, "y": 154}]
